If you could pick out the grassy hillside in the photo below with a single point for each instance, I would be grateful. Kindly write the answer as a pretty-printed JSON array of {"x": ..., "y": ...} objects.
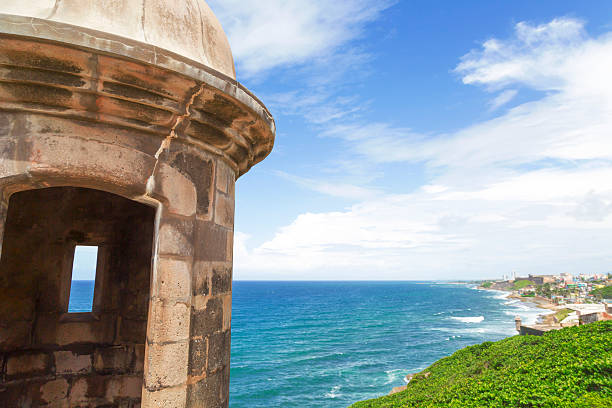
[
  {"x": 566, "y": 368},
  {"x": 521, "y": 284}
]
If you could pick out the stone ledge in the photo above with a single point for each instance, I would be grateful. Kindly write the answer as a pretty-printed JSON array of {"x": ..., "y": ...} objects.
[{"x": 108, "y": 79}]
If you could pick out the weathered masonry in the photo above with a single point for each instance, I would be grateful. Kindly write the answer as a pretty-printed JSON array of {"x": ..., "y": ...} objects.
[{"x": 122, "y": 127}]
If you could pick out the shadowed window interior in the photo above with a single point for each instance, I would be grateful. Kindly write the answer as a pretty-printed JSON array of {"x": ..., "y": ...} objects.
[
  {"x": 62, "y": 244},
  {"x": 84, "y": 269}
]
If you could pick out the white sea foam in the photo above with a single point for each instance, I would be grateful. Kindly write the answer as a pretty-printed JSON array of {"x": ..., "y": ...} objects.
[
  {"x": 498, "y": 294},
  {"x": 475, "y": 319},
  {"x": 393, "y": 376},
  {"x": 335, "y": 392}
]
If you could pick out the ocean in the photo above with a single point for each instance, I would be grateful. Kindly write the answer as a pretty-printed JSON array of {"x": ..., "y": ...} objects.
[{"x": 329, "y": 344}]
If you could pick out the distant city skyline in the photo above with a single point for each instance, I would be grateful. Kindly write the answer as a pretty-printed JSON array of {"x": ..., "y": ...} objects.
[{"x": 426, "y": 140}]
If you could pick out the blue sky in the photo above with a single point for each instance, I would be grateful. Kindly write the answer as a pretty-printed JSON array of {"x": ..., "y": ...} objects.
[{"x": 426, "y": 139}]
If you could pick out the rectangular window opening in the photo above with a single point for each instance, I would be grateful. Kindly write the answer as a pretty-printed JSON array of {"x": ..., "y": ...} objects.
[{"x": 84, "y": 269}]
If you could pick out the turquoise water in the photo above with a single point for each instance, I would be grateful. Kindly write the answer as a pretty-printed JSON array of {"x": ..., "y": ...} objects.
[
  {"x": 329, "y": 344},
  {"x": 81, "y": 296}
]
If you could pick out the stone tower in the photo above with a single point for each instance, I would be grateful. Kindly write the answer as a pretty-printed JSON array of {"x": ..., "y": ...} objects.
[{"x": 122, "y": 128}]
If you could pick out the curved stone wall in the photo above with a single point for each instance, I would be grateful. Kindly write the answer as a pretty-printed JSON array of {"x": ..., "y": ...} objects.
[{"x": 80, "y": 108}]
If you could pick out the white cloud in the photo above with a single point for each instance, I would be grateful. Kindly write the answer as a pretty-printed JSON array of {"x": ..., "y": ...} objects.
[
  {"x": 537, "y": 56},
  {"x": 502, "y": 99},
  {"x": 271, "y": 33},
  {"x": 318, "y": 106},
  {"x": 331, "y": 188},
  {"x": 529, "y": 190},
  {"x": 422, "y": 236}
]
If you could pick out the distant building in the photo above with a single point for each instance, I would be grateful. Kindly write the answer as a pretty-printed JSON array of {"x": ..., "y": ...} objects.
[
  {"x": 541, "y": 279},
  {"x": 567, "y": 278}
]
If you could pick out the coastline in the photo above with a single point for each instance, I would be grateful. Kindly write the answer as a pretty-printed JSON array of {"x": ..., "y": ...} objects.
[
  {"x": 538, "y": 301},
  {"x": 532, "y": 305}
]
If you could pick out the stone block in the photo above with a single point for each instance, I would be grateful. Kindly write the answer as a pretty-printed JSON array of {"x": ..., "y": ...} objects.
[
  {"x": 226, "y": 380},
  {"x": 224, "y": 211},
  {"x": 69, "y": 157},
  {"x": 218, "y": 351},
  {"x": 96, "y": 386},
  {"x": 198, "y": 357},
  {"x": 174, "y": 397},
  {"x": 199, "y": 169},
  {"x": 201, "y": 276},
  {"x": 139, "y": 358},
  {"x": 206, "y": 393},
  {"x": 227, "y": 312},
  {"x": 12, "y": 337},
  {"x": 221, "y": 281},
  {"x": 83, "y": 332},
  {"x": 79, "y": 392},
  {"x": 208, "y": 320},
  {"x": 125, "y": 386},
  {"x": 17, "y": 303},
  {"x": 173, "y": 280},
  {"x": 67, "y": 362},
  {"x": 28, "y": 365},
  {"x": 169, "y": 322},
  {"x": 176, "y": 236},
  {"x": 113, "y": 359},
  {"x": 210, "y": 242},
  {"x": 55, "y": 390},
  {"x": 132, "y": 331},
  {"x": 229, "y": 247},
  {"x": 166, "y": 365},
  {"x": 134, "y": 304},
  {"x": 226, "y": 178},
  {"x": 176, "y": 190}
]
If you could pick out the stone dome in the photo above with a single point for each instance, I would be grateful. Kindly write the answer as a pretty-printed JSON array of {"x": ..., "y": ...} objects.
[{"x": 186, "y": 27}]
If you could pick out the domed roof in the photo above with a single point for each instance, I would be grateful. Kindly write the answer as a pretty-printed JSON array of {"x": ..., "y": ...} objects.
[{"x": 185, "y": 27}]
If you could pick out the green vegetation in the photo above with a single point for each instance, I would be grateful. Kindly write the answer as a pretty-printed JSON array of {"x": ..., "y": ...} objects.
[
  {"x": 486, "y": 285},
  {"x": 544, "y": 290},
  {"x": 566, "y": 368},
  {"x": 603, "y": 293},
  {"x": 562, "y": 314},
  {"x": 521, "y": 284}
]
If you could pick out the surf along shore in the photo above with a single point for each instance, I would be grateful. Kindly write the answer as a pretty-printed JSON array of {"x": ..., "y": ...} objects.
[{"x": 536, "y": 302}]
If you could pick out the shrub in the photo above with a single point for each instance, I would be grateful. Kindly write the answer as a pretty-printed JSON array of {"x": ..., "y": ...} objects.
[{"x": 565, "y": 368}]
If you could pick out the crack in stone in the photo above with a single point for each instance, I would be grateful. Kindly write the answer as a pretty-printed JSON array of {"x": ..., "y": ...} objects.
[{"x": 165, "y": 144}]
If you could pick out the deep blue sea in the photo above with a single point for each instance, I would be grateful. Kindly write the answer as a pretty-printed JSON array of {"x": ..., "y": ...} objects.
[{"x": 329, "y": 344}]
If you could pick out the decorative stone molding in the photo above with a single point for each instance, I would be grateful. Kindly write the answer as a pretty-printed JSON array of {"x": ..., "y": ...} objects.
[{"x": 74, "y": 72}]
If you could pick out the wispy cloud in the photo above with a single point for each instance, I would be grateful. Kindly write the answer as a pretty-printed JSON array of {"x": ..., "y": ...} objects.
[
  {"x": 332, "y": 188},
  {"x": 271, "y": 33},
  {"x": 572, "y": 123},
  {"x": 502, "y": 99},
  {"x": 528, "y": 189}
]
